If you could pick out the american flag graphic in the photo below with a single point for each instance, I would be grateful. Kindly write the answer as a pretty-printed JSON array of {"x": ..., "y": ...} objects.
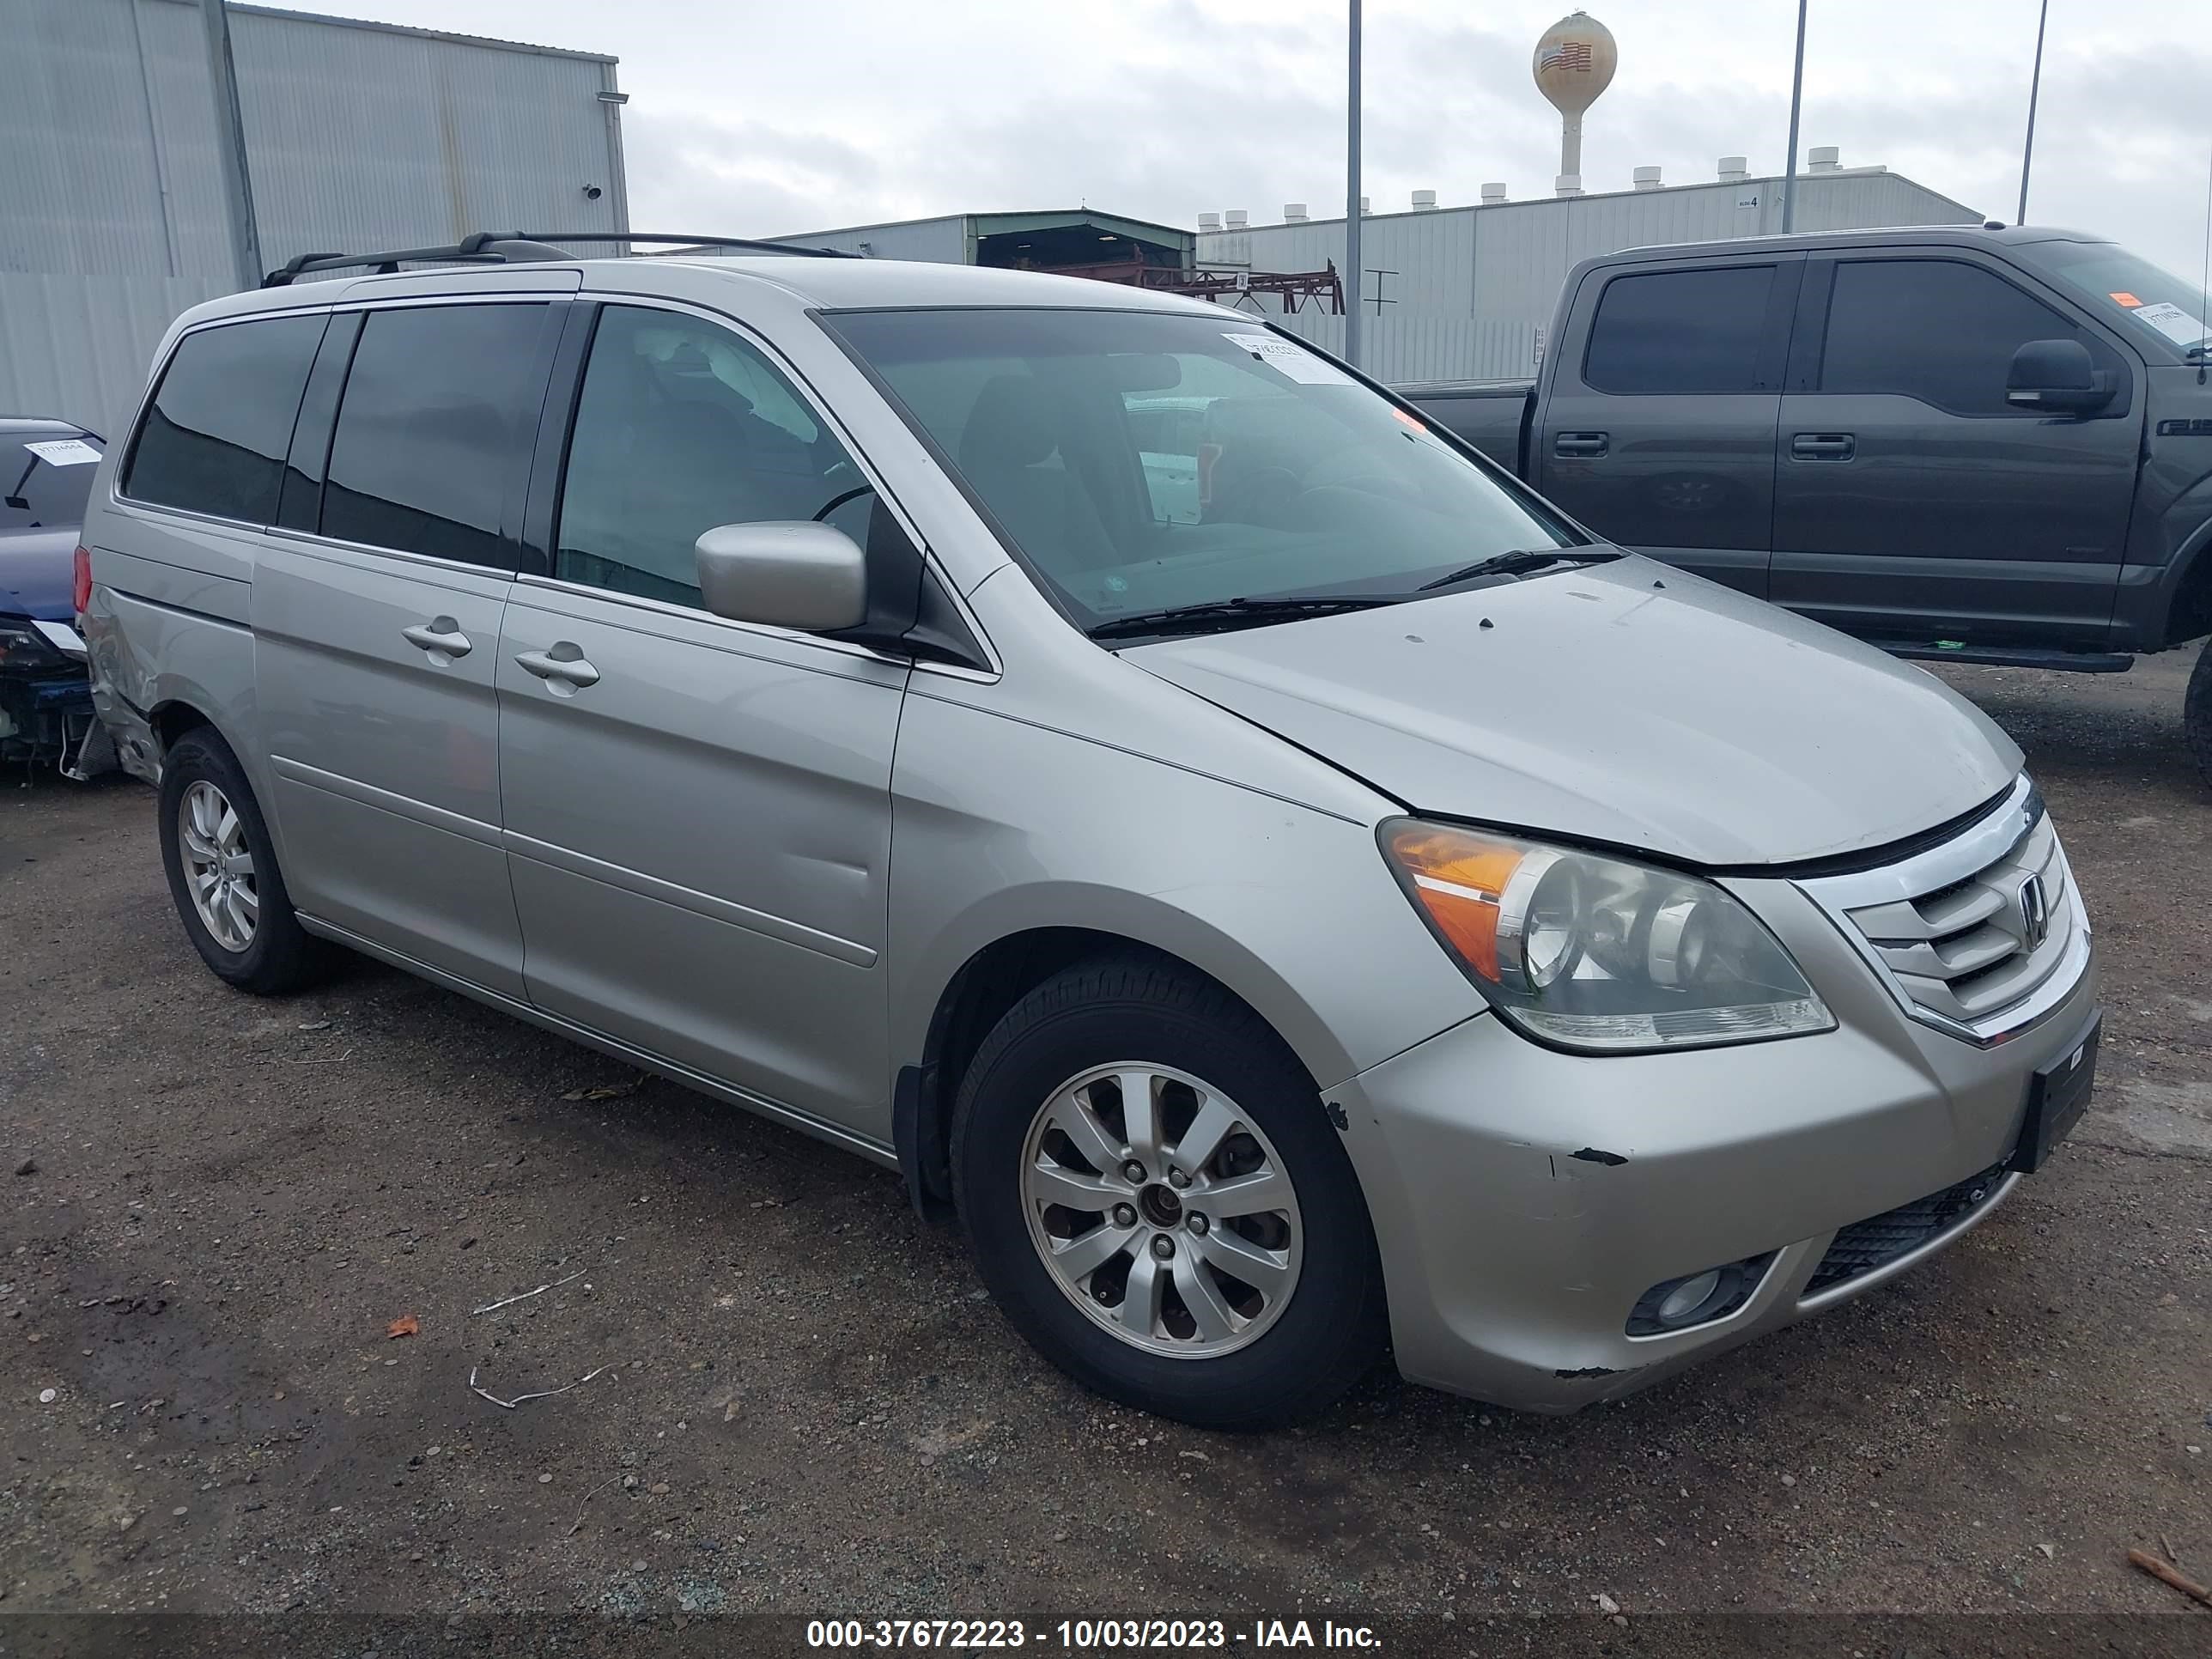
[{"x": 1567, "y": 55}]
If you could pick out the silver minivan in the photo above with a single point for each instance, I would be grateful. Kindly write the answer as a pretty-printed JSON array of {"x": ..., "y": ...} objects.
[{"x": 1292, "y": 894}]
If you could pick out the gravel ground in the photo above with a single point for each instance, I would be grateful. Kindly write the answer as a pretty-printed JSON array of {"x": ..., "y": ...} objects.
[{"x": 800, "y": 1399}]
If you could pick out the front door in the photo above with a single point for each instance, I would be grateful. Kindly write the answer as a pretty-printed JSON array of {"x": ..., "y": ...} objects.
[
  {"x": 698, "y": 810},
  {"x": 1912, "y": 502},
  {"x": 376, "y": 627},
  {"x": 1660, "y": 436}
]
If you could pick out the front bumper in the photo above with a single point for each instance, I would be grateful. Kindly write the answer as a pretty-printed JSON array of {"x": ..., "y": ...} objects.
[{"x": 1524, "y": 1200}]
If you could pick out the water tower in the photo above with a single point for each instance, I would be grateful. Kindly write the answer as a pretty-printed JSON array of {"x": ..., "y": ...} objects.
[{"x": 1574, "y": 61}]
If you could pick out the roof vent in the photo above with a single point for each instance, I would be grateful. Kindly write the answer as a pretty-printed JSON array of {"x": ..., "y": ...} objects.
[
  {"x": 1492, "y": 193},
  {"x": 1567, "y": 183},
  {"x": 1824, "y": 158},
  {"x": 1646, "y": 177},
  {"x": 1734, "y": 169},
  {"x": 1238, "y": 219},
  {"x": 1209, "y": 221},
  {"x": 1366, "y": 207},
  {"x": 1425, "y": 201},
  {"x": 1294, "y": 213}
]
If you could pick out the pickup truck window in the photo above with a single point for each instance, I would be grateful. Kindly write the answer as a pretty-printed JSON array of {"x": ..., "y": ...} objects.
[
  {"x": 2125, "y": 290},
  {"x": 1940, "y": 331},
  {"x": 214, "y": 437},
  {"x": 1679, "y": 330},
  {"x": 1139, "y": 461}
]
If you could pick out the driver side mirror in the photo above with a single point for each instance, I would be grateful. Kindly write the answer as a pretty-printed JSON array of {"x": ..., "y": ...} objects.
[
  {"x": 2058, "y": 375},
  {"x": 784, "y": 573}
]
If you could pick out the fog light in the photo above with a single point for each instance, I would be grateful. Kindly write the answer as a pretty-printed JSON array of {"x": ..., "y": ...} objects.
[
  {"x": 1686, "y": 1297},
  {"x": 1676, "y": 1304}
]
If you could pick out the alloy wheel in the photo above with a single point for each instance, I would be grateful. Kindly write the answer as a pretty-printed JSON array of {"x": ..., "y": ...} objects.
[{"x": 218, "y": 865}]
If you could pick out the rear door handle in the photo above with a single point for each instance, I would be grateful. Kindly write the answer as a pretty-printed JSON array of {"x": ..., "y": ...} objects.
[
  {"x": 563, "y": 668},
  {"x": 1581, "y": 445},
  {"x": 439, "y": 636},
  {"x": 1823, "y": 446}
]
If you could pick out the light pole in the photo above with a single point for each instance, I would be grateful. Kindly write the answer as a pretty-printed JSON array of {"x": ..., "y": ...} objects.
[
  {"x": 1797, "y": 98},
  {"x": 1351, "y": 202},
  {"x": 2035, "y": 86}
]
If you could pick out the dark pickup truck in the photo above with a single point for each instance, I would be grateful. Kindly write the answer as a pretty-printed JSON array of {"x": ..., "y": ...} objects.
[{"x": 1988, "y": 445}]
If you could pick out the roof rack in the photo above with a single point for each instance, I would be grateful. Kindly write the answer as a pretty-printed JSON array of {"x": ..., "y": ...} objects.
[{"x": 503, "y": 247}]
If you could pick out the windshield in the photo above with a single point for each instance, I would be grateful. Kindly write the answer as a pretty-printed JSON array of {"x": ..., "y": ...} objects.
[
  {"x": 47, "y": 477},
  {"x": 2124, "y": 287},
  {"x": 1143, "y": 461}
]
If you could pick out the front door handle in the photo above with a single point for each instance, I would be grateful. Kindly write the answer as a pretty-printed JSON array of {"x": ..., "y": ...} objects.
[
  {"x": 1823, "y": 446},
  {"x": 440, "y": 637},
  {"x": 1582, "y": 446},
  {"x": 563, "y": 668}
]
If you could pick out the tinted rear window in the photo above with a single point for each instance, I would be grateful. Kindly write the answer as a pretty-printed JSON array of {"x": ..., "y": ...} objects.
[
  {"x": 1680, "y": 330},
  {"x": 440, "y": 403},
  {"x": 215, "y": 439},
  {"x": 47, "y": 476}
]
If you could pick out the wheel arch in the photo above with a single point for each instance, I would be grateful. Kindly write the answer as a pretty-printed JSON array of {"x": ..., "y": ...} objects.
[{"x": 943, "y": 1032}]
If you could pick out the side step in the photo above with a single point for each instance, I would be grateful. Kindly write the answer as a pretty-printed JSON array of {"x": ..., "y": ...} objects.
[{"x": 2003, "y": 656}]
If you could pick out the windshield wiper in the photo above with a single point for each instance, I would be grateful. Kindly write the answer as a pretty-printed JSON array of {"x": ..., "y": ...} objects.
[
  {"x": 1518, "y": 562},
  {"x": 1197, "y": 619}
]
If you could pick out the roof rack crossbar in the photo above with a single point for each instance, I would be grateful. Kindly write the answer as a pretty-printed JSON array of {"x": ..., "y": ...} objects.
[{"x": 499, "y": 247}]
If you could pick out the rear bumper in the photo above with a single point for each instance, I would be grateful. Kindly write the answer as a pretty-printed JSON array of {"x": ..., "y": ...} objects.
[{"x": 1525, "y": 1200}]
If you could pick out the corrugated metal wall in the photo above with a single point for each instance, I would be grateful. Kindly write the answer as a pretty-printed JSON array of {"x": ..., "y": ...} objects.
[
  {"x": 1499, "y": 269},
  {"x": 945, "y": 241},
  {"x": 112, "y": 212}
]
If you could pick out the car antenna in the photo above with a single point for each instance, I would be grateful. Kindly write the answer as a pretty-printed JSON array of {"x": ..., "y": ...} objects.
[{"x": 2204, "y": 275}]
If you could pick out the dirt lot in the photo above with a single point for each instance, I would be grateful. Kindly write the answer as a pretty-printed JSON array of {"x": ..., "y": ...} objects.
[{"x": 803, "y": 1401}]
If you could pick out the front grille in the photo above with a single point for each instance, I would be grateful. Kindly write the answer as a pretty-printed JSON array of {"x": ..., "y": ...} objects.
[
  {"x": 1880, "y": 1240},
  {"x": 1972, "y": 929}
]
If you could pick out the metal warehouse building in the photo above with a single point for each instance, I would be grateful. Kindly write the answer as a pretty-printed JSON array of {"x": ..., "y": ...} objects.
[
  {"x": 1466, "y": 293},
  {"x": 114, "y": 215}
]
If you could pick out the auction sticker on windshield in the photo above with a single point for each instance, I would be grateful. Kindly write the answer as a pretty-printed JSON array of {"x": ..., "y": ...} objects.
[
  {"x": 2170, "y": 320},
  {"x": 1310, "y": 369},
  {"x": 64, "y": 452}
]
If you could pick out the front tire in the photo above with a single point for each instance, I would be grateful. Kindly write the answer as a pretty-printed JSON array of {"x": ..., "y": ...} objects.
[
  {"x": 222, "y": 873},
  {"x": 1158, "y": 1203},
  {"x": 2196, "y": 712}
]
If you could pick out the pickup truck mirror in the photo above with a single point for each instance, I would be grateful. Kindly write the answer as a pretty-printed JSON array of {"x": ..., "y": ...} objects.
[
  {"x": 786, "y": 574},
  {"x": 2057, "y": 375}
]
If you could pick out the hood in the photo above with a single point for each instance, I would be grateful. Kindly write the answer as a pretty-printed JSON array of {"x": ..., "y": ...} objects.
[
  {"x": 1628, "y": 703},
  {"x": 37, "y": 570}
]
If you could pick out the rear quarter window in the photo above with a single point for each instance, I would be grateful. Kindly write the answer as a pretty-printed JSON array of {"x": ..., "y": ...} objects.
[{"x": 214, "y": 437}]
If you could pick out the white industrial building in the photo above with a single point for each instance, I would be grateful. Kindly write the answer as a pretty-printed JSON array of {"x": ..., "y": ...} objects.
[
  {"x": 1466, "y": 292},
  {"x": 114, "y": 210}
]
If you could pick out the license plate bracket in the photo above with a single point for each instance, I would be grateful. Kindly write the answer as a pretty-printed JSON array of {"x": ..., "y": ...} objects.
[{"x": 2058, "y": 1095}]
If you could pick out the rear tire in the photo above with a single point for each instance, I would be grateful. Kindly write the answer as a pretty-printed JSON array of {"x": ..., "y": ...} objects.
[
  {"x": 222, "y": 873},
  {"x": 2197, "y": 713},
  {"x": 1242, "y": 1173}
]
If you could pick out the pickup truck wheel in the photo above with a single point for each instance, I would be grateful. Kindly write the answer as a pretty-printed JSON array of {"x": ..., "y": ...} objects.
[
  {"x": 222, "y": 871},
  {"x": 2196, "y": 712},
  {"x": 1158, "y": 1201}
]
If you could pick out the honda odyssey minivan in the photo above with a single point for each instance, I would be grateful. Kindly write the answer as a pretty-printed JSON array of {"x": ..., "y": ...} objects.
[{"x": 1290, "y": 892}]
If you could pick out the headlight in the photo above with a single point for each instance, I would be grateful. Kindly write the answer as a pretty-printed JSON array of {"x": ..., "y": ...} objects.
[
  {"x": 23, "y": 645},
  {"x": 1598, "y": 954}
]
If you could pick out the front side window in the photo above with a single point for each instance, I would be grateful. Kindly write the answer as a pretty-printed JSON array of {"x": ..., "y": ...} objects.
[
  {"x": 1139, "y": 461},
  {"x": 682, "y": 426},
  {"x": 214, "y": 438},
  {"x": 439, "y": 404},
  {"x": 49, "y": 479},
  {"x": 1680, "y": 330},
  {"x": 1939, "y": 330}
]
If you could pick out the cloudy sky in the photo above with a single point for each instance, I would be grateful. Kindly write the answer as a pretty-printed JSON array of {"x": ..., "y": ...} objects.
[{"x": 765, "y": 116}]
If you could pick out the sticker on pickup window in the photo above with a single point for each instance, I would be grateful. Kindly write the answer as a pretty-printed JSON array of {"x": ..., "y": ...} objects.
[
  {"x": 2122, "y": 297},
  {"x": 64, "y": 452},
  {"x": 1292, "y": 359},
  {"x": 2170, "y": 320}
]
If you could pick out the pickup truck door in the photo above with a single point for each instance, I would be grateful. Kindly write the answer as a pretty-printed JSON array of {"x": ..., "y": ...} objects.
[
  {"x": 1912, "y": 502},
  {"x": 1656, "y": 426}
]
